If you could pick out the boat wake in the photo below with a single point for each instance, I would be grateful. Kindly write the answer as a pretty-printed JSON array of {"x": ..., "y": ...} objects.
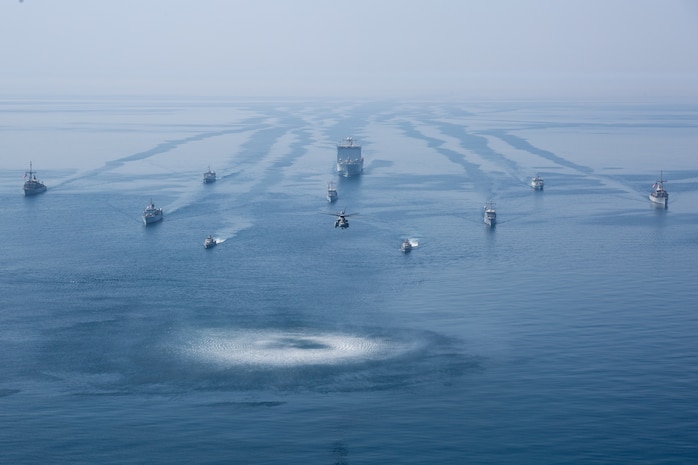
[
  {"x": 229, "y": 232},
  {"x": 317, "y": 359},
  {"x": 277, "y": 348}
]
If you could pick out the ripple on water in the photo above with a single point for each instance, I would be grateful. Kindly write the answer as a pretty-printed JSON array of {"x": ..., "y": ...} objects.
[{"x": 276, "y": 348}]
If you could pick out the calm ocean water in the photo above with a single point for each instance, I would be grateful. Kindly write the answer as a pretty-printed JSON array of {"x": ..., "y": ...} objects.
[{"x": 565, "y": 335}]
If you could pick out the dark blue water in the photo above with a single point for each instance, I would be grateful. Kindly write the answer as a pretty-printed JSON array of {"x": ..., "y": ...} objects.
[{"x": 564, "y": 335}]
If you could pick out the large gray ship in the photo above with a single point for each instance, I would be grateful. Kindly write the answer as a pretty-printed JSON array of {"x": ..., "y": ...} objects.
[
  {"x": 32, "y": 185},
  {"x": 350, "y": 162}
]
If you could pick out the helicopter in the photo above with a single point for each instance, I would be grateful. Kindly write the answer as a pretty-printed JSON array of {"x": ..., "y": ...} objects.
[{"x": 342, "y": 222}]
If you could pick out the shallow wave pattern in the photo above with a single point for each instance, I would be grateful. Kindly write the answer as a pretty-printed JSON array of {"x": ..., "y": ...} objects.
[{"x": 276, "y": 348}]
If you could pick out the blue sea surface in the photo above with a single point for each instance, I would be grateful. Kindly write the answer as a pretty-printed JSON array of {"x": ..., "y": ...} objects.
[{"x": 564, "y": 335}]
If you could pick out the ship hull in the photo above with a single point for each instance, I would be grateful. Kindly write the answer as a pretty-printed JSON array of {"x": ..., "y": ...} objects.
[
  {"x": 348, "y": 169},
  {"x": 151, "y": 219},
  {"x": 32, "y": 186},
  {"x": 350, "y": 162},
  {"x": 659, "y": 201},
  {"x": 34, "y": 190}
]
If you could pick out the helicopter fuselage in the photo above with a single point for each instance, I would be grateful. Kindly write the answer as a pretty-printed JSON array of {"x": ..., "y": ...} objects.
[{"x": 341, "y": 222}]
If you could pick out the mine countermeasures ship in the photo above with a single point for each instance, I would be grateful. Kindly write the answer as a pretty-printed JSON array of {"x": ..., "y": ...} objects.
[
  {"x": 659, "y": 195},
  {"x": 151, "y": 214},
  {"x": 32, "y": 185},
  {"x": 350, "y": 162},
  {"x": 490, "y": 215}
]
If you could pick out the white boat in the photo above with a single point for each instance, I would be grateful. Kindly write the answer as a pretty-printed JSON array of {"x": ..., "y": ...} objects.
[
  {"x": 658, "y": 195},
  {"x": 490, "y": 214},
  {"x": 151, "y": 214},
  {"x": 210, "y": 242},
  {"x": 406, "y": 246},
  {"x": 537, "y": 183},
  {"x": 331, "y": 192},
  {"x": 32, "y": 185},
  {"x": 350, "y": 162},
  {"x": 209, "y": 176}
]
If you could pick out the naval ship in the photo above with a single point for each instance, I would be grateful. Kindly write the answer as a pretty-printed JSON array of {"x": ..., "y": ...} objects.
[
  {"x": 349, "y": 159},
  {"x": 209, "y": 176},
  {"x": 490, "y": 215},
  {"x": 32, "y": 185},
  {"x": 659, "y": 195},
  {"x": 331, "y": 192},
  {"x": 151, "y": 214}
]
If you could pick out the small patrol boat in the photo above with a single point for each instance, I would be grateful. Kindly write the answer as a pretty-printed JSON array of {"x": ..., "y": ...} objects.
[
  {"x": 406, "y": 246},
  {"x": 210, "y": 242}
]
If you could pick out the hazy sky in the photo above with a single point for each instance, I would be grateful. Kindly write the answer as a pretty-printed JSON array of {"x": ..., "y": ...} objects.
[{"x": 358, "y": 48}]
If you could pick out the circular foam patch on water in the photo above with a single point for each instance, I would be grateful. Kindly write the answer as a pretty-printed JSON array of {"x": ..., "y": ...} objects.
[{"x": 276, "y": 348}]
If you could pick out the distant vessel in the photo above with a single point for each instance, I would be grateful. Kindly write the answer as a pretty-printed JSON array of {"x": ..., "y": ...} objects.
[
  {"x": 32, "y": 186},
  {"x": 209, "y": 176},
  {"x": 658, "y": 195},
  {"x": 331, "y": 192},
  {"x": 151, "y": 214},
  {"x": 406, "y": 246},
  {"x": 537, "y": 183},
  {"x": 490, "y": 214},
  {"x": 210, "y": 242},
  {"x": 350, "y": 162}
]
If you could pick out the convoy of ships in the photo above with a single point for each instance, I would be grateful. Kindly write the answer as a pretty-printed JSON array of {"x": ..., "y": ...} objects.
[{"x": 350, "y": 162}]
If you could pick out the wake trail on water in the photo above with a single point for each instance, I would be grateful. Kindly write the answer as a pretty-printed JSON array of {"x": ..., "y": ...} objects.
[{"x": 278, "y": 348}]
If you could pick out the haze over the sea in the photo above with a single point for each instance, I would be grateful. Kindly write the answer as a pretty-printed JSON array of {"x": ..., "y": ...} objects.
[{"x": 506, "y": 49}]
